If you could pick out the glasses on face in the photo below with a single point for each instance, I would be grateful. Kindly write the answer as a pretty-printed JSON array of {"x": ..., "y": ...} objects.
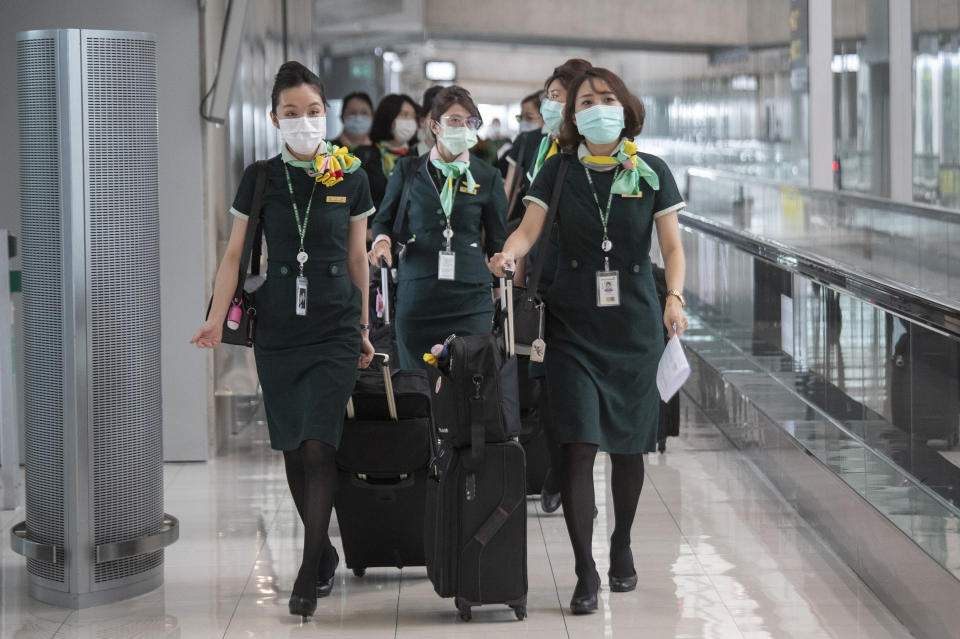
[{"x": 456, "y": 121}]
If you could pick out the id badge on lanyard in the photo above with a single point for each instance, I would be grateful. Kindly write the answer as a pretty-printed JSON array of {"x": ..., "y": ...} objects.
[
  {"x": 608, "y": 288},
  {"x": 447, "y": 265},
  {"x": 301, "y": 300}
]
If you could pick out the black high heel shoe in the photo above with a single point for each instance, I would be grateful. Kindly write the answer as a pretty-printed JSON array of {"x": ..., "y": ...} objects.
[
  {"x": 622, "y": 584},
  {"x": 303, "y": 600},
  {"x": 584, "y": 601},
  {"x": 549, "y": 502},
  {"x": 325, "y": 582}
]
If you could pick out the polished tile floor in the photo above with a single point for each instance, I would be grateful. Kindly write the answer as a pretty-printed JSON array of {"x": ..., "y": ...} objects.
[{"x": 719, "y": 555}]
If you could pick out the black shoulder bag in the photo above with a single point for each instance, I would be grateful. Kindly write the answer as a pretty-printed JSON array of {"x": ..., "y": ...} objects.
[
  {"x": 401, "y": 227},
  {"x": 529, "y": 309},
  {"x": 240, "y": 324}
]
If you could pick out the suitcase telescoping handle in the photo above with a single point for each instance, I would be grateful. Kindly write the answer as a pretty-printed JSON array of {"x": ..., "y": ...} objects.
[
  {"x": 388, "y": 384},
  {"x": 506, "y": 298},
  {"x": 385, "y": 289}
]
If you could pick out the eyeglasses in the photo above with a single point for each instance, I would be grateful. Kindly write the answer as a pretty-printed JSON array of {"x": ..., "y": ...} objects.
[
  {"x": 456, "y": 121},
  {"x": 553, "y": 95},
  {"x": 526, "y": 117}
]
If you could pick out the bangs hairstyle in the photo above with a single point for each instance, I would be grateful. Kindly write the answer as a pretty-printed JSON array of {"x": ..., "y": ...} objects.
[
  {"x": 387, "y": 111},
  {"x": 633, "y": 110},
  {"x": 534, "y": 99},
  {"x": 293, "y": 74},
  {"x": 567, "y": 72},
  {"x": 356, "y": 95},
  {"x": 448, "y": 97}
]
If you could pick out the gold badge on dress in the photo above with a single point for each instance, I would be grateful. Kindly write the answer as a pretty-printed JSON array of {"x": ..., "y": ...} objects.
[
  {"x": 464, "y": 189},
  {"x": 640, "y": 194},
  {"x": 337, "y": 199}
]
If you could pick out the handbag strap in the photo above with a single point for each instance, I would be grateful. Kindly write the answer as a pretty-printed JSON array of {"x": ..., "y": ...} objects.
[
  {"x": 534, "y": 280},
  {"x": 253, "y": 240},
  {"x": 401, "y": 231},
  {"x": 517, "y": 176}
]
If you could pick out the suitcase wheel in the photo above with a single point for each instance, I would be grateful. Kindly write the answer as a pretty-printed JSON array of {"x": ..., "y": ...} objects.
[
  {"x": 359, "y": 572},
  {"x": 520, "y": 612},
  {"x": 464, "y": 609}
]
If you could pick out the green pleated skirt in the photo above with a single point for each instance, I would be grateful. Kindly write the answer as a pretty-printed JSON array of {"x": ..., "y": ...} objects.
[{"x": 429, "y": 310}]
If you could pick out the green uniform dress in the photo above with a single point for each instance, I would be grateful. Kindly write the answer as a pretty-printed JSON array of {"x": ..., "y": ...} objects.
[
  {"x": 307, "y": 365},
  {"x": 429, "y": 309},
  {"x": 601, "y": 363}
]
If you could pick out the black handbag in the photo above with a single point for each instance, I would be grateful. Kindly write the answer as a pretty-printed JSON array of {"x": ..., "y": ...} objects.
[
  {"x": 243, "y": 309},
  {"x": 528, "y": 307}
]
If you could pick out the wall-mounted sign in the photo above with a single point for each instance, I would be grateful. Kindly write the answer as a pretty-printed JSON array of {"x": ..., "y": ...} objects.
[{"x": 440, "y": 71}]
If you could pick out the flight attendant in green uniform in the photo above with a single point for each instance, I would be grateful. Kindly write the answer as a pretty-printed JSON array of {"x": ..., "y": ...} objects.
[
  {"x": 603, "y": 333},
  {"x": 311, "y": 313},
  {"x": 538, "y": 147},
  {"x": 456, "y": 216}
]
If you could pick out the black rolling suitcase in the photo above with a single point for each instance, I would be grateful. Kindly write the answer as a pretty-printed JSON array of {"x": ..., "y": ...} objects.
[
  {"x": 383, "y": 463},
  {"x": 476, "y": 528}
]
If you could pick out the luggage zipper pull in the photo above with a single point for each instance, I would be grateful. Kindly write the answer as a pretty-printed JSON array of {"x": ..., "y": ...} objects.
[
  {"x": 471, "y": 486},
  {"x": 477, "y": 383}
]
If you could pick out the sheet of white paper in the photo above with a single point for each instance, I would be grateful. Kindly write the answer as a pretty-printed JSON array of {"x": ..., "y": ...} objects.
[{"x": 673, "y": 371}]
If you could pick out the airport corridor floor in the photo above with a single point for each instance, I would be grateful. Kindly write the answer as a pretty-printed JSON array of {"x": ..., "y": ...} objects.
[{"x": 718, "y": 554}]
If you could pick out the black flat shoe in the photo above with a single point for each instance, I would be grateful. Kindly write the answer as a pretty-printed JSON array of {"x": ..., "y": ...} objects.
[
  {"x": 584, "y": 599},
  {"x": 325, "y": 582},
  {"x": 622, "y": 584}
]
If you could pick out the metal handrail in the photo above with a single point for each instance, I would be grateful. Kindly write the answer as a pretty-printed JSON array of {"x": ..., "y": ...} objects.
[
  {"x": 856, "y": 199},
  {"x": 907, "y": 302}
]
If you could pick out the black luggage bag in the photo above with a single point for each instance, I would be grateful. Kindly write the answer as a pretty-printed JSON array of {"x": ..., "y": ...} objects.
[
  {"x": 476, "y": 528},
  {"x": 382, "y": 465}
]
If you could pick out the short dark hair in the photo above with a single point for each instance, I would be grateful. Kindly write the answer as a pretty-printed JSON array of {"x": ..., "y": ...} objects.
[
  {"x": 448, "y": 97},
  {"x": 567, "y": 72},
  {"x": 356, "y": 95},
  {"x": 293, "y": 74},
  {"x": 534, "y": 98},
  {"x": 633, "y": 110},
  {"x": 387, "y": 111},
  {"x": 428, "y": 97}
]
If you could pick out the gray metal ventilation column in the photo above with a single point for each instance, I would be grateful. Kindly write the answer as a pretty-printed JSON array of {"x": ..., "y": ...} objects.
[{"x": 95, "y": 527}]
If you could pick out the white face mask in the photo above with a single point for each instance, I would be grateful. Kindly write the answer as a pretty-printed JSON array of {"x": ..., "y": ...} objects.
[
  {"x": 303, "y": 135},
  {"x": 458, "y": 139},
  {"x": 403, "y": 130}
]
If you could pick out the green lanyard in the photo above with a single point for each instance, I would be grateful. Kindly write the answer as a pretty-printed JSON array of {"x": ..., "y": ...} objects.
[
  {"x": 301, "y": 227},
  {"x": 606, "y": 245}
]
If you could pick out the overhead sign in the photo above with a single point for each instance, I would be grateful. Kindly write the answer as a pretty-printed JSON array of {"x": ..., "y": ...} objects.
[{"x": 799, "y": 45}]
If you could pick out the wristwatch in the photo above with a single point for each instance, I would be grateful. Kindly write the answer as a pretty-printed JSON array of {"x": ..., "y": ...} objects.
[{"x": 679, "y": 296}]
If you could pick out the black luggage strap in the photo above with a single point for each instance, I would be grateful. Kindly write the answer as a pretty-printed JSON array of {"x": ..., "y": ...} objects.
[
  {"x": 401, "y": 229},
  {"x": 253, "y": 240},
  {"x": 478, "y": 435},
  {"x": 489, "y": 529},
  {"x": 529, "y": 297}
]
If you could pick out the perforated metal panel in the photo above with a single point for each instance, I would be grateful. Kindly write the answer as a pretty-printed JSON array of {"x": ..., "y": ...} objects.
[
  {"x": 120, "y": 119},
  {"x": 42, "y": 296}
]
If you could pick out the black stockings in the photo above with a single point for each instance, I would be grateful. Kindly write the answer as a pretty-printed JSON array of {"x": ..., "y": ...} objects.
[
  {"x": 578, "y": 503},
  {"x": 312, "y": 477}
]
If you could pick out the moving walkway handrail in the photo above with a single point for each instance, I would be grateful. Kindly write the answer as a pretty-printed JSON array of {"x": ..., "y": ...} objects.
[
  {"x": 928, "y": 211},
  {"x": 910, "y": 303}
]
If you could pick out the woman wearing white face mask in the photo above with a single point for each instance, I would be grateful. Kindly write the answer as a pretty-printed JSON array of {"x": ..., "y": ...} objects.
[
  {"x": 529, "y": 150},
  {"x": 604, "y": 324},
  {"x": 357, "y": 118},
  {"x": 311, "y": 330},
  {"x": 392, "y": 133},
  {"x": 455, "y": 213}
]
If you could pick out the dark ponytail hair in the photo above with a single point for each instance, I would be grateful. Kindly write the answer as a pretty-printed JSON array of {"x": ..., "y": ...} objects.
[
  {"x": 567, "y": 72},
  {"x": 293, "y": 74}
]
